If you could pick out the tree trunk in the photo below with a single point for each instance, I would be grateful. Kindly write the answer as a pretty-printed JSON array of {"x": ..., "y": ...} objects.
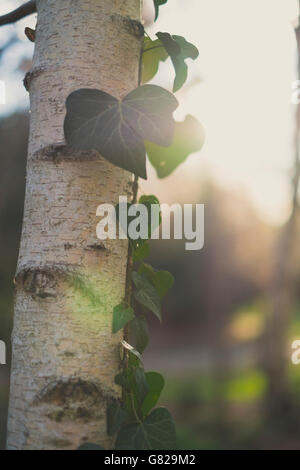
[{"x": 67, "y": 282}]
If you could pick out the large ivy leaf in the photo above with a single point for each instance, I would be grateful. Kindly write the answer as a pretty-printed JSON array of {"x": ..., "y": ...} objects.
[
  {"x": 116, "y": 417},
  {"x": 156, "y": 383},
  {"x": 154, "y": 53},
  {"x": 139, "y": 329},
  {"x": 146, "y": 294},
  {"x": 117, "y": 128},
  {"x": 161, "y": 280},
  {"x": 157, "y": 4},
  {"x": 188, "y": 138},
  {"x": 122, "y": 315},
  {"x": 179, "y": 49},
  {"x": 157, "y": 432}
]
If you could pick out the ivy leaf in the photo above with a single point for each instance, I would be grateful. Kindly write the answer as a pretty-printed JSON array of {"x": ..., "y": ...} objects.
[
  {"x": 156, "y": 384},
  {"x": 154, "y": 53},
  {"x": 161, "y": 280},
  {"x": 146, "y": 294},
  {"x": 133, "y": 380},
  {"x": 142, "y": 387},
  {"x": 157, "y": 432},
  {"x": 188, "y": 138},
  {"x": 90, "y": 446},
  {"x": 179, "y": 49},
  {"x": 148, "y": 202},
  {"x": 117, "y": 128},
  {"x": 157, "y": 4},
  {"x": 116, "y": 417},
  {"x": 139, "y": 330},
  {"x": 121, "y": 316},
  {"x": 141, "y": 251}
]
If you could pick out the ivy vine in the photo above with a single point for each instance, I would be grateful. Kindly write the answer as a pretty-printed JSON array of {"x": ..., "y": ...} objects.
[{"x": 123, "y": 131}]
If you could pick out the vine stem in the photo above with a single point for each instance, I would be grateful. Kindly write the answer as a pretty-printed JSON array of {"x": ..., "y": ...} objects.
[{"x": 135, "y": 187}]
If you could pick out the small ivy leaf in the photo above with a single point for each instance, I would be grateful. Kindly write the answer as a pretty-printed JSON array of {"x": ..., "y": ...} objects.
[
  {"x": 156, "y": 384},
  {"x": 146, "y": 294},
  {"x": 188, "y": 51},
  {"x": 154, "y": 52},
  {"x": 157, "y": 4},
  {"x": 116, "y": 417},
  {"x": 90, "y": 446},
  {"x": 117, "y": 129},
  {"x": 179, "y": 49},
  {"x": 148, "y": 202},
  {"x": 139, "y": 330},
  {"x": 142, "y": 387},
  {"x": 124, "y": 380},
  {"x": 133, "y": 380},
  {"x": 188, "y": 138},
  {"x": 141, "y": 251},
  {"x": 169, "y": 43},
  {"x": 161, "y": 280},
  {"x": 121, "y": 316},
  {"x": 157, "y": 432}
]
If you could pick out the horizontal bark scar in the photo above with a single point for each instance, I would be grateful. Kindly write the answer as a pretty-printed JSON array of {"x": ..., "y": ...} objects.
[
  {"x": 73, "y": 399},
  {"x": 32, "y": 74},
  {"x": 96, "y": 247},
  {"x": 41, "y": 281},
  {"x": 40, "y": 284},
  {"x": 132, "y": 26},
  {"x": 61, "y": 152}
]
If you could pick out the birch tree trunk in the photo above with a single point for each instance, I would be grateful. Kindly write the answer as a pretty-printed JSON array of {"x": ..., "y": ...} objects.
[{"x": 67, "y": 282}]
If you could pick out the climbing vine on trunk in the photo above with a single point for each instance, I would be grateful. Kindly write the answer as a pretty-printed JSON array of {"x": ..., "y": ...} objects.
[{"x": 123, "y": 131}]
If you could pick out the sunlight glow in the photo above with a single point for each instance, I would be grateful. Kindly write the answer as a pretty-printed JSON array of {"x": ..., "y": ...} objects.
[{"x": 246, "y": 67}]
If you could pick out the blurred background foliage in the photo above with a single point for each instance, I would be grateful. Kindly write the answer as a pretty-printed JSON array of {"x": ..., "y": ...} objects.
[{"x": 224, "y": 383}]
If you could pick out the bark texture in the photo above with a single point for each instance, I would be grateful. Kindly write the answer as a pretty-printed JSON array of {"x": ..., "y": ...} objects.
[{"x": 67, "y": 282}]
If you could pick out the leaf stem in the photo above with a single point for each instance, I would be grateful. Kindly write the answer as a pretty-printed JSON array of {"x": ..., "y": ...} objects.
[{"x": 153, "y": 47}]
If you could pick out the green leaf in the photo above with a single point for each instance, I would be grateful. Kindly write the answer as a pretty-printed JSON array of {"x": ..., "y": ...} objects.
[
  {"x": 188, "y": 138},
  {"x": 116, "y": 417},
  {"x": 141, "y": 251},
  {"x": 156, "y": 384},
  {"x": 142, "y": 387},
  {"x": 146, "y": 294},
  {"x": 157, "y": 432},
  {"x": 121, "y": 316},
  {"x": 161, "y": 280},
  {"x": 179, "y": 50},
  {"x": 139, "y": 329},
  {"x": 91, "y": 446},
  {"x": 117, "y": 128},
  {"x": 157, "y": 4},
  {"x": 149, "y": 201},
  {"x": 154, "y": 53},
  {"x": 133, "y": 380}
]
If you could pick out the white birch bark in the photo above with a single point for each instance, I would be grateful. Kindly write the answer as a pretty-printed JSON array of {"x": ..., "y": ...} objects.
[{"x": 67, "y": 282}]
